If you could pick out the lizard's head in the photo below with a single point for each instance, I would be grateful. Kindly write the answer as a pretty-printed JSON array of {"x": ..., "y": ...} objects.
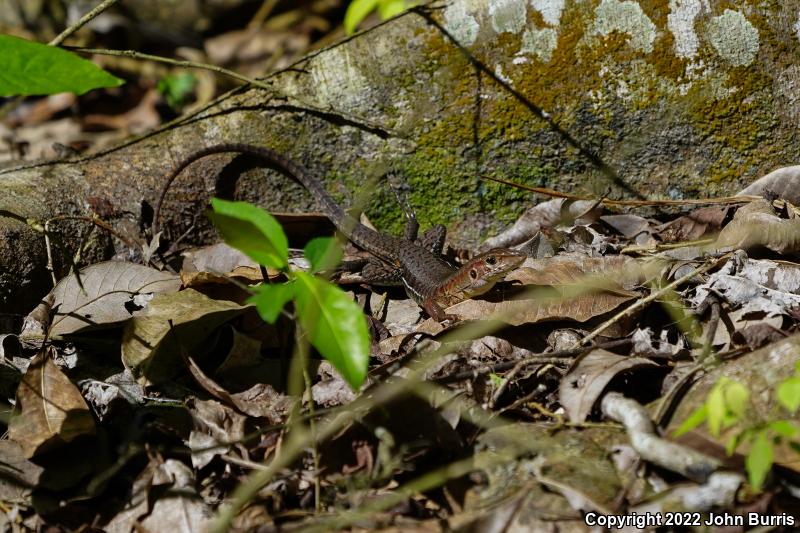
[{"x": 480, "y": 273}]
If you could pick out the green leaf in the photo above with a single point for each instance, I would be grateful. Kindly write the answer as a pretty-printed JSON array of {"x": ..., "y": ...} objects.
[
  {"x": 759, "y": 460},
  {"x": 252, "y": 230},
  {"x": 732, "y": 444},
  {"x": 323, "y": 253},
  {"x": 739, "y": 438},
  {"x": 335, "y": 326},
  {"x": 715, "y": 405},
  {"x": 389, "y": 8},
  {"x": 697, "y": 417},
  {"x": 30, "y": 68},
  {"x": 496, "y": 380},
  {"x": 736, "y": 396},
  {"x": 784, "y": 428},
  {"x": 176, "y": 88},
  {"x": 270, "y": 299},
  {"x": 789, "y": 394},
  {"x": 356, "y": 12}
]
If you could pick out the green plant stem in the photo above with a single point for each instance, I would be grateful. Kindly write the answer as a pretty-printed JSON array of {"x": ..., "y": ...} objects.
[
  {"x": 430, "y": 480},
  {"x": 297, "y": 441},
  {"x": 314, "y": 447},
  {"x": 298, "y": 438}
]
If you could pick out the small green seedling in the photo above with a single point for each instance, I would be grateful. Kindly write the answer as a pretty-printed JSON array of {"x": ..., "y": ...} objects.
[
  {"x": 333, "y": 323},
  {"x": 727, "y": 406}
]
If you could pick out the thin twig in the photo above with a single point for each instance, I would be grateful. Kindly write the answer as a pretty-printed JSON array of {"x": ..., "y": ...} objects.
[
  {"x": 102, "y": 6},
  {"x": 100, "y": 223},
  {"x": 713, "y": 324},
  {"x": 49, "y": 249},
  {"x": 556, "y": 357},
  {"x": 506, "y": 380},
  {"x": 644, "y": 301},
  {"x": 242, "y": 462},
  {"x": 177, "y": 62},
  {"x": 525, "y": 400},
  {"x": 264, "y": 11},
  {"x": 298, "y": 439},
  {"x": 660, "y": 246},
  {"x": 725, "y": 200}
]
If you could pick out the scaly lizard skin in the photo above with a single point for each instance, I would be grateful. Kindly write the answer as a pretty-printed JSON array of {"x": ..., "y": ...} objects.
[{"x": 429, "y": 280}]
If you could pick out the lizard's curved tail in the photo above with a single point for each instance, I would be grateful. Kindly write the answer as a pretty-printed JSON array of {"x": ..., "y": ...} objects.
[
  {"x": 273, "y": 160},
  {"x": 376, "y": 243}
]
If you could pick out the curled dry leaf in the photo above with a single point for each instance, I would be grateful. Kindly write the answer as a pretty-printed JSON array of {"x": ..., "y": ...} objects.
[
  {"x": 646, "y": 344},
  {"x": 757, "y": 335},
  {"x": 331, "y": 390},
  {"x": 163, "y": 487},
  {"x": 50, "y": 410},
  {"x": 582, "y": 386},
  {"x": 756, "y": 225},
  {"x": 632, "y": 227},
  {"x": 105, "y": 294},
  {"x": 543, "y": 216},
  {"x": 150, "y": 350},
  {"x": 694, "y": 225},
  {"x": 260, "y": 400},
  {"x": 18, "y": 476},
  {"x": 179, "y": 508},
  {"x": 784, "y": 182},
  {"x": 215, "y": 428}
]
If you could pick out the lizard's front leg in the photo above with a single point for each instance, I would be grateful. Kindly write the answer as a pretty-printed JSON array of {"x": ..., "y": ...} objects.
[{"x": 436, "y": 312}]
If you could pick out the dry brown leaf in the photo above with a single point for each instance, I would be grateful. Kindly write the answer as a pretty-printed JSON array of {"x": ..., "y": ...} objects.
[
  {"x": 215, "y": 425},
  {"x": 112, "y": 292},
  {"x": 632, "y": 227},
  {"x": 543, "y": 216},
  {"x": 18, "y": 476},
  {"x": 216, "y": 258},
  {"x": 535, "y": 310},
  {"x": 597, "y": 298},
  {"x": 50, "y": 410},
  {"x": 178, "y": 509},
  {"x": 694, "y": 225},
  {"x": 784, "y": 182},
  {"x": 143, "y": 117},
  {"x": 260, "y": 400},
  {"x": 621, "y": 270},
  {"x": 151, "y": 351},
  {"x": 137, "y": 504},
  {"x": 756, "y": 225},
  {"x": 42, "y": 110},
  {"x": 583, "y": 385}
]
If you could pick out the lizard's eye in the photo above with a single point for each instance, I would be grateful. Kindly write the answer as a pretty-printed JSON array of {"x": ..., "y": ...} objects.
[
  {"x": 491, "y": 260},
  {"x": 473, "y": 274}
]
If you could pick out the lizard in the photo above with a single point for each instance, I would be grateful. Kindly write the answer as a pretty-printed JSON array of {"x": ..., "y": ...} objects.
[{"x": 429, "y": 280}]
